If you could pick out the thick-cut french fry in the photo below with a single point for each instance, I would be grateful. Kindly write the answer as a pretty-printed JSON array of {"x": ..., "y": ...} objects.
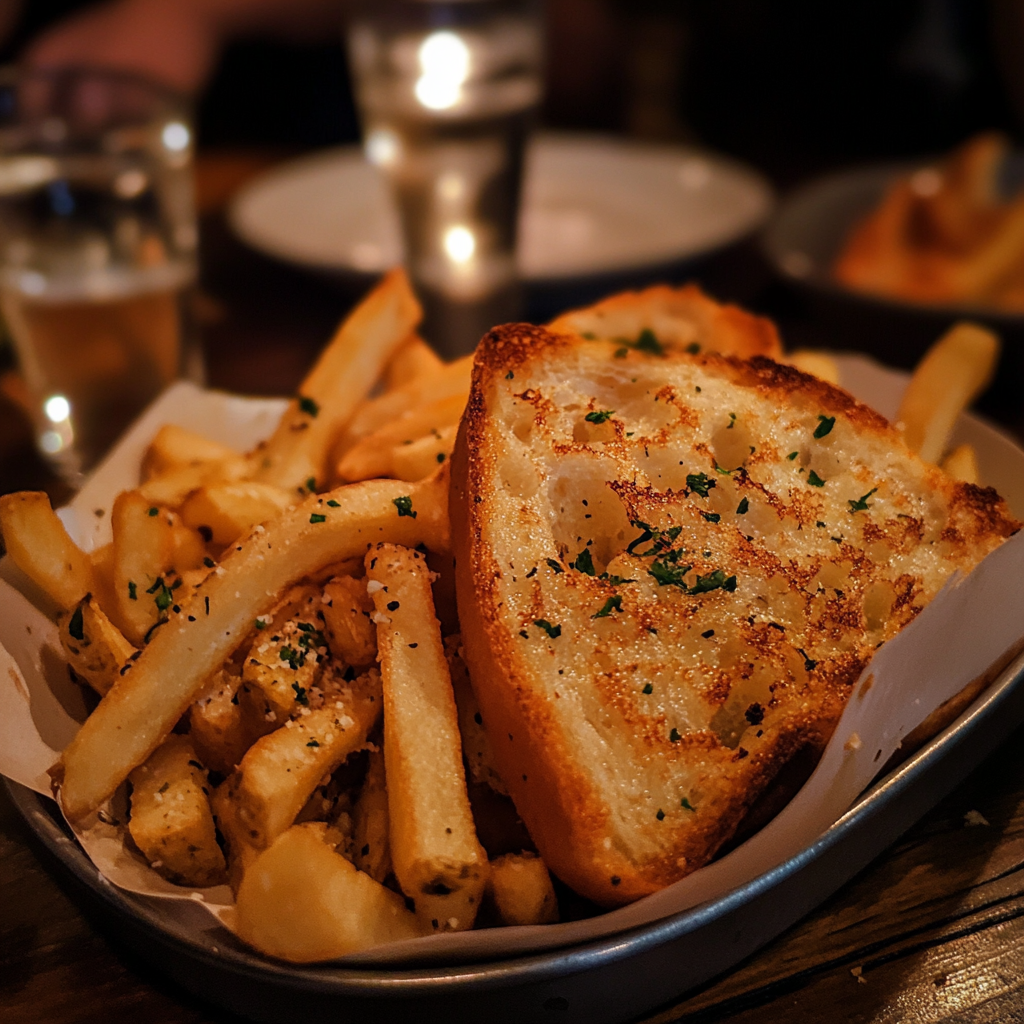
[
  {"x": 817, "y": 364},
  {"x": 144, "y": 550},
  {"x": 172, "y": 486},
  {"x": 476, "y": 747},
  {"x": 144, "y": 704},
  {"x": 372, "y": 456},
  {"x": 451, "y": 380},
  {"x": 95, "y": 647},
  {"x": 962, "y": 464},
  {"x": 420, "y": 458},
  {"x": 102, "y": 560},
  {"x": 949, "y": 377},
  {"x": 346, "y": 608},
  {"x": 521, "y": 890},
  {"x": 171, "y": 821},
  {"x": 241, "y": 853},
  {"x": 414, "y": 359},
  {"x": 370, "y": 821},
  {"x": 437, "y": 857},
  {"x": 217, "y": 725},
  {"x": 280, "y": 772},
  {"x": 301, "y": 901},
  {"x": 227, "y": 511},
  {"x": 175, "y": 447},
  {"x": 41, "y": 548},
  {"x": 299, "y": 448}
]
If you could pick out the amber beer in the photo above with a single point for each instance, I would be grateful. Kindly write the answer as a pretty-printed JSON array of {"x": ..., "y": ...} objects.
[{"x": 107, "y": 352}]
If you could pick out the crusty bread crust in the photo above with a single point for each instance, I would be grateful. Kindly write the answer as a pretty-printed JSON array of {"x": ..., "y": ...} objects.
[{"x": 637, "y": 706}]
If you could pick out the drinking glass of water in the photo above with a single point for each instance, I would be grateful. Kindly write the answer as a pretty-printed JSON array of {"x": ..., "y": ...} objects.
[
  {"x": 448, "y": 92},
  {"x": 97, "y": 251}
]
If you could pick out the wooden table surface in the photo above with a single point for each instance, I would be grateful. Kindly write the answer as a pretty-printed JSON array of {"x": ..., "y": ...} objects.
[{"x": 932, "y": 931}]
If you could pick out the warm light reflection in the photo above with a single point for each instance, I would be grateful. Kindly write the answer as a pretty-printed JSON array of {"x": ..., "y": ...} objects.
[
  {"x": 176, "y": 136},
  {"x": 57, "y": 408},
  {"x": 459, "y": 244},
  {"x": 382, "y": 147},
  {"x": 444, "y": 66}
]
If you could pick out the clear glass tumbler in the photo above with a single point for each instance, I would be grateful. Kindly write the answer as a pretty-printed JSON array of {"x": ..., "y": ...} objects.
[
  {"x": 97, "y": 251},
  {"x": 448, "y": 92}
]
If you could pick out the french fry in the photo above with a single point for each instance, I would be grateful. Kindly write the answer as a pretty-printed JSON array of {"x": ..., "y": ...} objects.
[
  {"x": 176, "y": 447},
  {"x": 95, "y": 647},
  {"x": 280, "y": 771},
  {"x": 41, "y": 548},
  {"x": 370, "y": 821},
  {"x": 373, "y": 455},
  {"x": 217, "y": 725},
  {"x": 171, "y": 821},
  {"x": 420, "y": 458},
  {"x": 415, "y": 358},
  {"x": 299, "y": 448},
  {"x": 301, "y": 901},
  {"x": 962, "y": 464},
  {"x": 437, "y": 857},
  {"x": 346, "y": 608},
  {"x": 102, "y": 561},
  {"x": 227, "y": 511},
  {"x": 450, "y": 381},
  {"x": 241, "y": 853},
  {"x": 951, "y": 375},
  {"x": 817, "y": 364},
  {"x": 520, "y": 889},
  {"x": 172, "y": 486},
  {"x": 145, "y": 703}
]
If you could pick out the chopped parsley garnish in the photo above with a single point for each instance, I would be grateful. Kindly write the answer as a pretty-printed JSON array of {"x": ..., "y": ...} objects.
[
  {"x": 732, "y": 421},
  {"x": 662, "y": 538},
  {"x": 209, "y": 562},
  {"x": 686, "y": 805},
  {"x": 723, "y": 470},
  {"x": 825, "y": 425},
  {"x": 154, "y": 511},
  {"x": 296, "y": 659},
  {"x": 613, "y": 604},
  {"x": 260, "y": 624},
  {"x": 648, "y": 342},
  {"x": 157, "y": 584},
  {"x": 711, "y": 517},
  {"x": 164, "y": 598},
  {"x": 660, "y": 815},
  {"x": 649, "y": 688},
  {"x": 163, "y": 789},
  {"x": 300, "y": 694},
  {"x": 792, "y": 455},
  {"x": 615, "y": 580},
  {"x": 674, "y": 736},
  {"x": 317, "y": 517},
  {"x": 557, "y": 566},
  {"x": 311, "y": 484},
  {"x": 333, "y": 504},
  {"x": 700, "y": 483},
  {"x": 743, "y": 507},
  {"x": 510, "y": 375},
  {"x": 584, "y": 563},
  {"x": 861, "y": 504},
  {"x": 404, "y": 506},
  {"x": 599, "y": 416},
  {"x": 532, "y": 573},
  {"x": 621, "y": 353},
  {"x": 715, "y": 581},
  {"x": 667, "y": 574},
  {"x": 309, "y": 407},
  {"x": 693, "y": 348},
  {"x": 552, "y": 631},
  {"x": 313, "y": 743},
  {"x": 75, "y": 625},
  {"x": 820, "y": 524},
  {"x": 814, "y": 480}
]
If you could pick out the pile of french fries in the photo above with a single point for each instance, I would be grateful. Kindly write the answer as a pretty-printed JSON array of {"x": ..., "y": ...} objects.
[
  {"x": 944, "y": 235},
  {"x": 277, "y": 688}
]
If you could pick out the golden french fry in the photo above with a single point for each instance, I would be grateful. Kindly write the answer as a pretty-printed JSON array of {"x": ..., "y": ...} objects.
[
  {"x": 451, "y": 380},
  {"x": 437, "y": 857},
  {"x": 227, "y": 511},
  {"x": 817, "y": 364},
  {"x": 962, "y": 464},
  {"x": 241, "y": 854},
  {"x": 301, "y": 901},
  {"x": 370, "y": 821},
  {"x": 171, "y": 821},
  {"x": 420, "y": 458},
  {"x": 414, "y": 359},
  {"x": 102, "y": 561},
  {"x": 298, "y": 450},
  {"x": 953, "y": 372},
  {"x": 41, "y": 548},
  {"x": 217, "y": 725},
  {"x": 176, "y": 447},
  {"x": 521, "y": 891},
  {"x": 346, "y": 609},
  {"x": 280, "y": 771},
  {"x": 95, "y": 647},
  {"x": 373, "y": 455},
  {"x": 172, "y": 486},
  {"x": 145, "y": 703}
]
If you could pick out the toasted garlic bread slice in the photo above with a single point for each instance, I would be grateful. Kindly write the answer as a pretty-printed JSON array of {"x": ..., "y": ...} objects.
[
  {"x": 676, "y": 319},
  {"x": 670, "y": 572}
]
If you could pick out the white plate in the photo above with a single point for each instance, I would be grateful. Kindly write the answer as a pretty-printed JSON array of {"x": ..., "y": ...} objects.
[{"x": 592, "y": 205}]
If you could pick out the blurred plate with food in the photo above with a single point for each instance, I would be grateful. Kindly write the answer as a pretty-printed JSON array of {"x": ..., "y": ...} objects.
[
  {"x": 592, "y": 206},
  {"x": 944, "y": 237}
]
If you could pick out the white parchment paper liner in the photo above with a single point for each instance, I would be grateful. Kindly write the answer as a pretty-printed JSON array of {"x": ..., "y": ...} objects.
[{"x": 967, "y": 628}]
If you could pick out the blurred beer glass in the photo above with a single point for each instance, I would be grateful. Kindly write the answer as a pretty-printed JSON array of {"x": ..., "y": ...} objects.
[
  {"x": 97, "y": 251},
  {"x": 448, "y": 92}
]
